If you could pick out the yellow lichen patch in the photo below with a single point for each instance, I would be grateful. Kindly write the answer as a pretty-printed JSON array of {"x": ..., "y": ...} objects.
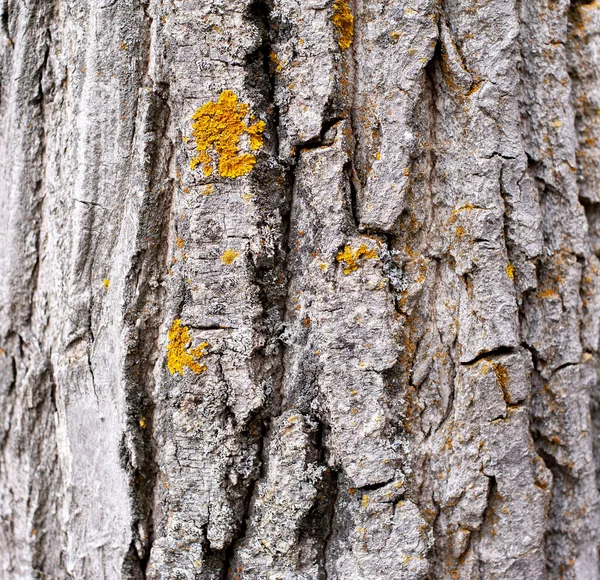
[
  {"x": 106, "y": 283},
  {"x": 510, "y": 271},
  {"x": 353, "y": 258},
  {"x": 229, "y": 256},
  {"x": 344, "y": 23},
  {"x": 143, "y": 422},
  {"x": 247, "y": 197},
  {"x": 275, "y": 61},
  {"x": 180, "y": 242},
  {"x": 179, "y": 354},
  {"x": 207, "y": 189},
  {"x": 219, "y": 126}
]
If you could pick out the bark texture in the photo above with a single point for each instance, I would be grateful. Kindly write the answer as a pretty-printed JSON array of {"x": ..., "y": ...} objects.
[{"x": 299, "y": 289}]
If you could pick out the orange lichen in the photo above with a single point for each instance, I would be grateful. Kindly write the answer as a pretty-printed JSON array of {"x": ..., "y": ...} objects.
[
  {"x": 344, "y": 23},
  {"x": 106, "y": 283},
  {"x": 501, "y": 376},
  {"x": 352, "y": 257},
  {"x": 219, "y": 126},
  {"x": 275, "y": 62},
  {"x": 180, "y": 242},
  {"x": 548, "y": 293},
  {"x": 510, "y": 271},
  {"x": 229, "y": 256},
  {"x": 179, "y": 354},
  {"x": 466, "y": 207}
]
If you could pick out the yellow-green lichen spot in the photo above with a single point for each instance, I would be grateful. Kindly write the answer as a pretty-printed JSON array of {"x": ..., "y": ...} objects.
[{"x": 353, "y": 258}]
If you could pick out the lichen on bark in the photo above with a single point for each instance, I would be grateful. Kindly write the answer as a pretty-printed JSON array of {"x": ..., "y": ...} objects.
[{"x": 299, "y": 289}]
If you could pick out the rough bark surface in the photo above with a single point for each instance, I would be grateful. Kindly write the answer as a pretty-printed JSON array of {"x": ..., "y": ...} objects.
[{"x": 299, "y": 289}]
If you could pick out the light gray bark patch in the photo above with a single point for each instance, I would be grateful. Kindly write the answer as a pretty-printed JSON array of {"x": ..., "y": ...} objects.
[
  {"x": 401, "y": 39},
  {"x": 30, "y": 473},
  {"x": 26, "y": 85},
  {"x": 561, "y": 409},
  {"x": 556, "y": 329},
  {"x": 282, "y": 503},
  {"x": 359, "y": 342},
  {"x": 475, "y": 484}
]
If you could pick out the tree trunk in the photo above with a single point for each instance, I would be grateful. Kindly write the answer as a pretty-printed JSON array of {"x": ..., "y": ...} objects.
[{"x": 299, "y": 289}]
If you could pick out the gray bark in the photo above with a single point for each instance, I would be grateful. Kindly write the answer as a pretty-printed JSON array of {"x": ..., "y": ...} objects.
[{"x": 360, "y": 343}]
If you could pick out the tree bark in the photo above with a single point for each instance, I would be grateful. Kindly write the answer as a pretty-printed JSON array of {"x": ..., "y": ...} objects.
[{"x": 299, "y": 289}]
